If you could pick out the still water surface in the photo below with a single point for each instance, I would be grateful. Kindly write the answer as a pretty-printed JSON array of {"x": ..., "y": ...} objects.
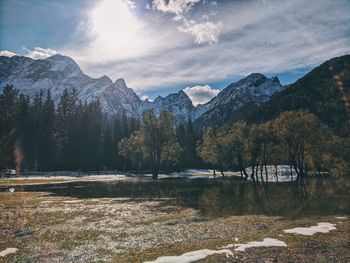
[{"x": 220, "y": 197}]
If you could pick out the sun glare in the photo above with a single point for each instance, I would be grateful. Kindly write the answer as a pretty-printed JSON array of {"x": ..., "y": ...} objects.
[{"x": 115, "y": 28}]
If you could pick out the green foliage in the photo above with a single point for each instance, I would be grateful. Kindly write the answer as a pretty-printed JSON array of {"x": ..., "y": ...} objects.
[
  {"x": 209, "y": 149},
  {"x": 155, "y": 143},
  {"x": 132, "y": 148}
]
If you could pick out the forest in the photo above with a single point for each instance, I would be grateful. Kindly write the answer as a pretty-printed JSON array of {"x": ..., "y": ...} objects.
[{"x": 36, "y": 135}]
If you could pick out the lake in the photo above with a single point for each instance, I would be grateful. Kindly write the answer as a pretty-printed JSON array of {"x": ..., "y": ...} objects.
[{"x": 218, "y": 197}]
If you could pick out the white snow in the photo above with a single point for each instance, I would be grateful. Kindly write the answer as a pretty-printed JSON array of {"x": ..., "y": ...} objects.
[
  {"x": 47, "y": 179},
  {"x": 309, "y": 231},
  {"x": 199, "y": 171},
  {"x": 72, "y": 201},
  {"x": 228, "y": 246},
  {"x": 341, "y": 217},
  {"x": 191, "y": 256},
  {"x": 9, "y": 250},
  {"x": 284, "y": 173},
  {"x": 267, "y": 242},
  {"x": 11, "y": 189}
]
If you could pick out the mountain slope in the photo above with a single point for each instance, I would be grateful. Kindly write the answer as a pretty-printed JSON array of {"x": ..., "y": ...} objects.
[
  {"x": 177, "y": 103},
  {"x": 233, "y": 102},
  {"x": 325, "y": 91},
  {"x": 56, "y": 73},
  {"x": 61, "y": 72}
]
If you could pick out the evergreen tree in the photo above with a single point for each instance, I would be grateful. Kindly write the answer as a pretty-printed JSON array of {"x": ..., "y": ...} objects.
[{"x": 8, "y": 104}]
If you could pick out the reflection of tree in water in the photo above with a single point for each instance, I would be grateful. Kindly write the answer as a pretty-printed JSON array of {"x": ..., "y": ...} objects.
[
  {"x": 210, "y": 201},
  {"x": 221, "y": 197},
  {"x": 315, "y": 197}
]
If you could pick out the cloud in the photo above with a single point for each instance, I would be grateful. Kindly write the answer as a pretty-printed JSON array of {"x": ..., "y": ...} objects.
[
  {"x": 205, "y": 32},
  {"x": 7, "y": 53},
  {"x": 273, "y": 37},
  {"x": 146, "y": 97},
  {"x": 177, "y": 7},
  {"x": 36, "y": 53},
  {"x": 112, "y": 31},
  {"x": 40, "y": 53},
  {"x": 201, "y": 94},
  {"x": 153, "y": 56},
  {"x": 131, "y": 4}
]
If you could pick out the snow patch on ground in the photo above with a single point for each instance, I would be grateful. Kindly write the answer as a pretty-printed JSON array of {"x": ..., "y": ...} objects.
[
  {"x": 9, "y": 250},
  {"x": 284, "y": 173},
  {"x": 309, "y": 231},
  {"x": 199, "y": 171},
  {"x": 341, "y": 217},
  {"x": 267, "y": 242},
  {"x": 72, "y": 201},
  {"x": 191, "y": 256}
]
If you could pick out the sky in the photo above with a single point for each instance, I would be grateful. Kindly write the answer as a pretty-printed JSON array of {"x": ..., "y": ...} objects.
[{"x": 163, "y": 46}]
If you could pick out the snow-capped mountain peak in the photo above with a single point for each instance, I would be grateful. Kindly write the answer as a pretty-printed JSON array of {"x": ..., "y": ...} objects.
[
  {"x": 60, "y": 72},
  {"x": 251, "y": 90}
]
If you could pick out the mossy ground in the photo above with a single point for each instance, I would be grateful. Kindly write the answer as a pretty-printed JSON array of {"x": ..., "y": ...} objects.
[{"x": 47, "y": 228}]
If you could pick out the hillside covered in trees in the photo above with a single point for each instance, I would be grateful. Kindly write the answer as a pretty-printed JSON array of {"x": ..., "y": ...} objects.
[{"x": 325, "y": 92}]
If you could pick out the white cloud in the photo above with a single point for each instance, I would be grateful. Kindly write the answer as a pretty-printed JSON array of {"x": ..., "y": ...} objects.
[
  {"x": 40, "y": 53},
  {"x": 36, "y": 53},
  {"x": 7, "y": 53},
  {"x": 255, "y": 37},
  {"x": 201, "y": 94},
  {"x": 145, "y": 97},
  {"x": 112, "y": 31},
  {"x": 205, "y": 32},
  {"x": 131, "y": 4},
  {"x": 178, "y": 7}
]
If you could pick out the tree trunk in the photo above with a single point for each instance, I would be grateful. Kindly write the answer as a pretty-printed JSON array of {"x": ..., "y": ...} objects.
[
  {"x": 222, "y": 172},
  {"x": 267, "y": 178},
  {"x": 257, "y": 173},
  {"x": 276, "y": 172},
  {"x": 261, "y": 173},
  {"x": 155, "y": 175}
]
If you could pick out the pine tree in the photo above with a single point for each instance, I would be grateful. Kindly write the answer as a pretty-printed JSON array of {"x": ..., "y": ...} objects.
[{"x": 8, "y": 103}]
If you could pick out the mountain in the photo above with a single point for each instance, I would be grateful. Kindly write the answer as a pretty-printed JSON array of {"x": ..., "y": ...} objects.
[
  {"x": 325, "y": 91},
  {"x": 118, "y": 98},
  {"x": 178, "y": 103},
  {"x": 61, "y": 72},
  {"x": 233, "y": 102}
]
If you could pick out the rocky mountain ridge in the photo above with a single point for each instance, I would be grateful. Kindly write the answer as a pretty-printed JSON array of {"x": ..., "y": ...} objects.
[{"x": 61, "y": 72}]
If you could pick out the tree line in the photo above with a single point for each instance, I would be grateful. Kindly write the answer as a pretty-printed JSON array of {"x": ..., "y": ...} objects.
[
  {"x": 36, "y": 135},
  {"x": 295, "y": 138}
]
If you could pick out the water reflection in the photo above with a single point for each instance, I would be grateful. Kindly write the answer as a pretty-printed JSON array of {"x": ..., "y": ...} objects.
[{"x": 220, "y": 197}]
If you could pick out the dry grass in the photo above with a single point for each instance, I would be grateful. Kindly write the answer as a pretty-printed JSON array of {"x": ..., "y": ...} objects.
[{"x": 48, "y": 229}]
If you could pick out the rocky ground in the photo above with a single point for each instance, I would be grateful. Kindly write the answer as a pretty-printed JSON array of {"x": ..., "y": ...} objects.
[{"x": 47, "y": 228}]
